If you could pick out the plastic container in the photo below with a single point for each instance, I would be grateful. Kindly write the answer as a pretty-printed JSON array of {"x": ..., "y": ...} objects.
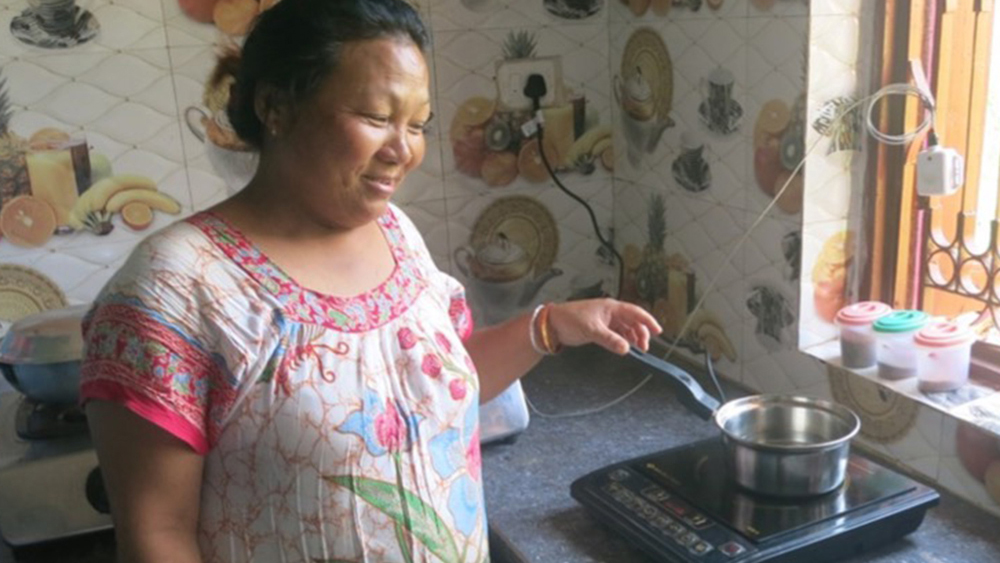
[
  {"x": 897, "y": 353},
  {"x": 944, "y": 350},
  {"x": 858, "y": 346}
]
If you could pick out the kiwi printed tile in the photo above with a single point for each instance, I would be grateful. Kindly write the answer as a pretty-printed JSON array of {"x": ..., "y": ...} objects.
[
  {"x": 486, "y": 150},
  {"x": 121, "y": 107}
]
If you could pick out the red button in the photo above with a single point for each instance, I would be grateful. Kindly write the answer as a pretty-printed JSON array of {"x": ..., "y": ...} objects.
[{"x": 732, "y": 549}]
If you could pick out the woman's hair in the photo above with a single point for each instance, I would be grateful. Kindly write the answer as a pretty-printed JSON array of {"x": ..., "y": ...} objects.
[{"x": 295, "y": 44}]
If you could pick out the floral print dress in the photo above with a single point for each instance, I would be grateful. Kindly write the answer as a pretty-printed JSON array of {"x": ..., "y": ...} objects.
[{"x": 333, "y": 429}]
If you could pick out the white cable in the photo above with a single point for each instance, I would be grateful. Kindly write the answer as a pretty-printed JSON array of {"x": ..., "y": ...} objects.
[
  {"x": 891, "y": 89},
  {"x": 906, "y": 137},
  {"x": 583, "y": 412}
]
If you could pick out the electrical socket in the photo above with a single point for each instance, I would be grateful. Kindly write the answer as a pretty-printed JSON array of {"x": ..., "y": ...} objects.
[{"x": 512, "y": 75}]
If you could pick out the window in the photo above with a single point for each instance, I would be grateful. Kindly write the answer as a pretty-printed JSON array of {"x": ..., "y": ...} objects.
[{"x": 940, "y": 254}]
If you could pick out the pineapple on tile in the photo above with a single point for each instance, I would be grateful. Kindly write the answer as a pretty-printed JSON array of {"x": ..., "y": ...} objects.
[
  {"x": 14, "y": 179},
  {"x": 519, "y": 45},
  {"x": 652, "y": 275}
]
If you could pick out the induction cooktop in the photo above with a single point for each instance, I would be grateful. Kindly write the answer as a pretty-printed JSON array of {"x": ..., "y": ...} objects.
[{"x": 680, "y": 505}]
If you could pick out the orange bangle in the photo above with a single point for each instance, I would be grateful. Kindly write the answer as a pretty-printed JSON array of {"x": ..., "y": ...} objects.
[{"x": 543, "y": 328}]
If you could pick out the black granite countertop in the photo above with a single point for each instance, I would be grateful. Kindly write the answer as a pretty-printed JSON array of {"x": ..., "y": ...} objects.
[
  {"x": 527, "y": 481},
  {"x": 534, "y": 519}
]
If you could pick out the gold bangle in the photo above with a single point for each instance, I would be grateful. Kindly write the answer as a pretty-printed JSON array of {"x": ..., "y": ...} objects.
[
  {"x": 533, "y": 331},
  {"x": 543, "y": 327}
]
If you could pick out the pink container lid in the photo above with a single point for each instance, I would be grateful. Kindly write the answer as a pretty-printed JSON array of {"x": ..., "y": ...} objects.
[
  {"x": 944, "y": 334},
  {"x": 862, "y": 313}
]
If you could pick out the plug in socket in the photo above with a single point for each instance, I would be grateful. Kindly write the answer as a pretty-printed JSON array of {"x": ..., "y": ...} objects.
[{"x": 512, "y": 75}]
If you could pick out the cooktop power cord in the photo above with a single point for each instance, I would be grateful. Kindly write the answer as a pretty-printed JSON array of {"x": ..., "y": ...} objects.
[{"x": 872, "y": 100}]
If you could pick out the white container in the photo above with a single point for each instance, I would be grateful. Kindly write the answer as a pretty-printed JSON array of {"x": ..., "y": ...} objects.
[
  {"x": 858, "y": 346},
  {"x": 944, "y": 350},
  {"x": 897, "y": 353}
]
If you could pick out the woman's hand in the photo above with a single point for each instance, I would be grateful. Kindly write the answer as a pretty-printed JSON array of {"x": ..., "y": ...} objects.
[{"x": 609, "y": 323}]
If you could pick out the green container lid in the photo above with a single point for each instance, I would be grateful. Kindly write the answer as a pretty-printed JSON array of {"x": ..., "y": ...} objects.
[{"x": 901, "y": 321}]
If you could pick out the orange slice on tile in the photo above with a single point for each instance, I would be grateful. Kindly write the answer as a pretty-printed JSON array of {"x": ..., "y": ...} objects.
[
  {"x": 233, "y": 17},
  {"x": 475, "y": 111},
  {"x": 774, "y": 117},
  {"x": 137, "y": 215},
  {"x": 27, "y": 221},
  {"x": 529, "y": 163}
]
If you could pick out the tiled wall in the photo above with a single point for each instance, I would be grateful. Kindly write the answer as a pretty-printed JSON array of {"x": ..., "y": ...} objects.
[{"x": 697, "y": 176}]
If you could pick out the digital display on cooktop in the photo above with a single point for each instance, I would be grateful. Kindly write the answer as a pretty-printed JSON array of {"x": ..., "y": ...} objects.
[{"x": 699, "y": 474}]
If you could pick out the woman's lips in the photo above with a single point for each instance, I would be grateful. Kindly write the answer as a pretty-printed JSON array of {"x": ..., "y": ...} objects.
[{"x": 382, "y": 184}]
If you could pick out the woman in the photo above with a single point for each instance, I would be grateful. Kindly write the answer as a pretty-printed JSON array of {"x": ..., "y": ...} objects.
[{"x": 287, "y": 376}]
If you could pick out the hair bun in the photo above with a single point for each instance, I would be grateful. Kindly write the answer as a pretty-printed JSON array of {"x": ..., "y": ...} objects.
[{"x": 220, "y": 84}]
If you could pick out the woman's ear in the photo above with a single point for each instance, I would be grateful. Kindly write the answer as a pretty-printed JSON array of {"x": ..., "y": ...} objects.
[{"x": 271, "y": 109}]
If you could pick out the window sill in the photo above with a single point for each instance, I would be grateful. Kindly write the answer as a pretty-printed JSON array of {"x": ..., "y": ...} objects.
[{"x": 977, "y": 402}]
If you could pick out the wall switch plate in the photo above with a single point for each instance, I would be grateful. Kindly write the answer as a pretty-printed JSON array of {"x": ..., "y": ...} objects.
[{"x": 512, "y": 75}]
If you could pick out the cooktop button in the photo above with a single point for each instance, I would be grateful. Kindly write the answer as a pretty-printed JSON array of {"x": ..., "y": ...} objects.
[
  {"x": 732, "y": 549},
  {"x": 697, "y": 520},
  {"x": 678, "y": 508}
]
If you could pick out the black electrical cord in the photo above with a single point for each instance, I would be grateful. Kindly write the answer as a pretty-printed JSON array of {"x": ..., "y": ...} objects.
[
  {"x": 590, "y": 211},
  {"x": 535, "y": 90}
]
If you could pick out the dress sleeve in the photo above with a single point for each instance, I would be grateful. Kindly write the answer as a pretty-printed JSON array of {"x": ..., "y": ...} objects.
[
  {"x": 449, "y": 288},
  {"x": 143, "y": 348}
]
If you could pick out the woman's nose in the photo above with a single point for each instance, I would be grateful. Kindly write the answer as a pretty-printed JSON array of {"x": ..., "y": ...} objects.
[{"x": 397, "y": 148}]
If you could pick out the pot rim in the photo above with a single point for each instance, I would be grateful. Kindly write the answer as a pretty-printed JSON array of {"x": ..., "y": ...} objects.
[{"x": 735, "y": 407}]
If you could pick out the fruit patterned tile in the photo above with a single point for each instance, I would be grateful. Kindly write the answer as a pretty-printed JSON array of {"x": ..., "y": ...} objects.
[
  {"x": 218, "y": 163},
  {"x": 485, "y": 150},
  {"x": 451, "y": 15},
  {"x": 103, "y": 161},
  {"x": 100, "y": 26},
  {"x": 706, "y": 146},
  {"x": 828, "y": 278},
  {"x": 513, "y": 251},
  {"x": 673, "y": 272},
  {"x": 643, "y": 93},
  {"x": 777, "y": 74},
  {"x": 193, "y": 24},
  {"x": 892, "y": 424},
  {"x": 970, "y": 464}
]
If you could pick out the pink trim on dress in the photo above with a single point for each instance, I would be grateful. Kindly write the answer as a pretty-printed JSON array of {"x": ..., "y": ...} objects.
[{"x": 146, "y": 408}]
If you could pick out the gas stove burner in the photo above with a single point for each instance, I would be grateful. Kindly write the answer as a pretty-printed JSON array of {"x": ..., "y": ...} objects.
[
  {"x": 680, "y": 505},
  {"x": 43, "y": 421}
]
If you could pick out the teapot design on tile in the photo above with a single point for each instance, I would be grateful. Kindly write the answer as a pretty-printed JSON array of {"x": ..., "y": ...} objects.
[
  {"x": 235, "y": 163},
  {"x": 501, "y": 276},
  {"x": 643, "y": 126}
]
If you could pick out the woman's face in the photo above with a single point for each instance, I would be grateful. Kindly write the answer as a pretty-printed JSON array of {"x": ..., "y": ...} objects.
[{"x": 348, "y": 147}]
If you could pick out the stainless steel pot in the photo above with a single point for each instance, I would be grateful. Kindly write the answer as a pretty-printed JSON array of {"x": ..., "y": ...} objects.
[
  {"x": 40, "y": 355},
  {"x": 775, "y": 444}
]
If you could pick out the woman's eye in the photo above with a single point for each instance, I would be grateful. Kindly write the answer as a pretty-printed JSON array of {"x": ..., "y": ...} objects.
[
  {"x": 378, "y": 119},
  {"x": 420, "y": 128}
]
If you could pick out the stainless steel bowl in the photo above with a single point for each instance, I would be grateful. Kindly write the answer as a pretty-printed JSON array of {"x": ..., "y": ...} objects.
[
  {"x": 786, "y": 445},
  {"x": 40, "y": 354}
]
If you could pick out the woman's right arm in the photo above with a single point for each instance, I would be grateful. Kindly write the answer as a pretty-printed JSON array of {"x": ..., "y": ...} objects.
[{"x": 153, "y": 481}]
